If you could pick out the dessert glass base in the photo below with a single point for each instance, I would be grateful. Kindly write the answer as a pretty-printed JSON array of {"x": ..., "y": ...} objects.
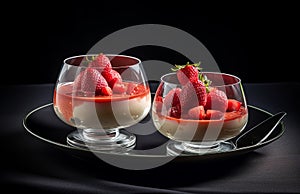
[
  {"x": 95, "y": 140},
  {"x": 186, "y": 149}
]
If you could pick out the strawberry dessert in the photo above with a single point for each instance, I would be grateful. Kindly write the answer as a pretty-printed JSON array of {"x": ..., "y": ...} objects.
[
  {"x": 103, "y": 94},
  {"x": 195, "y": 106}
]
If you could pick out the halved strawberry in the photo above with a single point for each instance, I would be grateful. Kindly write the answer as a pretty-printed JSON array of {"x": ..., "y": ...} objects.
[
  {"x": 235, "y": 114},
  {"x": 101, "y": 62},
  {"x": 197, "y": 112},
  {"x": 106, "y": 91},
  {"x": 193, "y": 94},
  {"x": 175, "y": 111},
  {"x": 233, "y": 105},
  {"x": 159, "y": 99},
  {"x": 119, "y": 88},
  {"x": 112, "y": 77},
  {"x": 139, "y": 89},
  {"x": 133, "y": 88},
  {"x": 130, "y": 88},
  {"x": 172, "y": 98},
  {"x": 217, "y": 100},
  {"x": 214, "y": 114}
]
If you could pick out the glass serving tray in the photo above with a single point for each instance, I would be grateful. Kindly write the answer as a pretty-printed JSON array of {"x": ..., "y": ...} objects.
[
  {"x": 150, "y": 147},
  {"x": 45, "y": 125}
]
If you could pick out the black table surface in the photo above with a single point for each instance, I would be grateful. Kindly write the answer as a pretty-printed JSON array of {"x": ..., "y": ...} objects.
[{"x": 30, "y": 164}]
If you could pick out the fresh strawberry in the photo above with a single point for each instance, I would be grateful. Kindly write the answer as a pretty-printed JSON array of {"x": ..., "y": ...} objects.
[
  {"x": 159, "y": 90},
  {"x": 233, "y": 105},
  {"x": 197, "y": 112},
  {"x": 175, "y": 111},
  {"x": 193, "y": 94},
  {"x": 159, "y": 99},
  {"x": 214, "y": 114},
  {"x": 216, "y": 100},
  {"x": 172, "y": 98},
  {"x": 91, "y": 81},
  {"x": 158, "y": 107},
  {"x": 130, "y": 88},
  {"x": 187, "y": 73},
  {"x": 158, "y": 104},
  {"x": 112, "y": 77},
  {"x": 139, "y": 89},
  {"x": 106, "y": 91},
  {"x": 232, "y": 115},
  {"x": 78, "y": 81},
  {"x": 101, "y": 62},
  {"x": 133, "y": 88},
  {"x": 119, "y": 88},
  {"x": 235, "y": 114}
]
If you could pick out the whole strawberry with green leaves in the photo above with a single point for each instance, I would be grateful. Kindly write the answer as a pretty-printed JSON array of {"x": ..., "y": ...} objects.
[
  {"x": 194, "y": 86},
  {"x": 197, "y": 98}
]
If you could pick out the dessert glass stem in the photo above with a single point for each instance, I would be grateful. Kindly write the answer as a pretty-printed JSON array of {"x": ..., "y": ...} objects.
[
  {"x": 199, "y": 147},
  {"x": 190, "y": 148},
  {"x": 100, "y": 135},
  {"x": 112, "y": 140}
]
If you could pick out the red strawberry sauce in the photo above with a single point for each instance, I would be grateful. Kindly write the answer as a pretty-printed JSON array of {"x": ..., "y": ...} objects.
[
  {"x": 184, "y": 129},
  {"x": 65, "y": 104}
]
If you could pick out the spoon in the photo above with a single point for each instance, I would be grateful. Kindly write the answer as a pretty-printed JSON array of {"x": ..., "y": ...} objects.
[{"x": 259, "y": 133}]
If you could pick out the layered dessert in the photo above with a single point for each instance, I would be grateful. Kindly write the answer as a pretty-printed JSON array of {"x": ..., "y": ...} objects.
[
  {"x": 100, "y": 98},
  {"x": 191, "y": 106}
]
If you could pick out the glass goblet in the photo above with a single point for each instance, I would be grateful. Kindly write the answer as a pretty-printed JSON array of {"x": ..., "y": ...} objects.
[
  {"x": 195, "y": 129},
  {"x": 99, "y": 118}
]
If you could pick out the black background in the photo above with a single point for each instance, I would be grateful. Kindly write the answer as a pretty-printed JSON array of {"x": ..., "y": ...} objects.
[
  {"x": 253, "y": 41},
  {"x": 258, "y": 42}
]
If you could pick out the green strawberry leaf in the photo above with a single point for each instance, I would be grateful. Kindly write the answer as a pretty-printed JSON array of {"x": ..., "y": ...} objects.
[
  {"x": 178, "y": 67},
  {"x": 205, "y": 81}
]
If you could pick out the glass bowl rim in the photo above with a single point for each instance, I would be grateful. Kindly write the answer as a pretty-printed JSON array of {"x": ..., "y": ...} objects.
[
  {"x": 138, "y": 61},
  {"x": 238, "y": 80}
]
